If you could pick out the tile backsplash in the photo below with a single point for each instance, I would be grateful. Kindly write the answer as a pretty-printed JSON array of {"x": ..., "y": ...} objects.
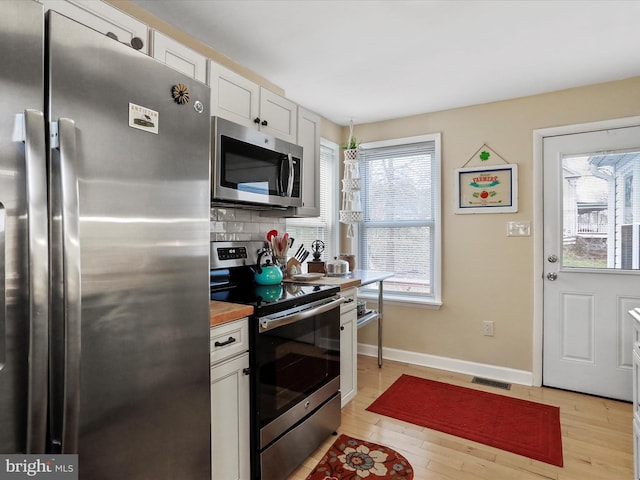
[{"x": 228, "y": 224}]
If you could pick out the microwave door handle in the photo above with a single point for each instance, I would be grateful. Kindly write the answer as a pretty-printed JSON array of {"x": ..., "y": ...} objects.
[{"x": 290, "y": 179}]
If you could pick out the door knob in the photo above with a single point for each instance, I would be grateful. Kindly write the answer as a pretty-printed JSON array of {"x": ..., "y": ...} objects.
[
  {"x": 552, "y": 258},
  {"x": 552, "y": 276}
]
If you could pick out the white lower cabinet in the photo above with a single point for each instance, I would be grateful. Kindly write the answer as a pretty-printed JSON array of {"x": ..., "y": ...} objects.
[
  {"x": 230, "y": 407},
  {"x": 348, "y": 346}
]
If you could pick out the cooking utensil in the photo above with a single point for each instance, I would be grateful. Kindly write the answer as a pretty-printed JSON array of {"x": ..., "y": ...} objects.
[
  {"x": 271, "y": 234},
  {"x": 304, "y": 257},
  {"x": 267, "y": 273}
]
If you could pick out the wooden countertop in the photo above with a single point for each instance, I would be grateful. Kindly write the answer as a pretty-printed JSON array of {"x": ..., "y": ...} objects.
[{"x": 223, "y": 312}]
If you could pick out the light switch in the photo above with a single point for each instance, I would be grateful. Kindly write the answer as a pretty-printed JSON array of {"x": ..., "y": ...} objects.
[{"x": 521, "y": 228}]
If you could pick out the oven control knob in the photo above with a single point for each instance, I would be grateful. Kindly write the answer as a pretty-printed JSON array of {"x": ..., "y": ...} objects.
[{"x": 246, "y": 371}]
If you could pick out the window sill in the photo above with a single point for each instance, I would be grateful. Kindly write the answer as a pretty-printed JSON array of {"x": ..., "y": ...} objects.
[{"x": 399, "y": 300}]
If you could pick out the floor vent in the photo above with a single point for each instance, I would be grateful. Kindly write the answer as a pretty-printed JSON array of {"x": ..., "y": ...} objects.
[{"x": 491, "y": 383}]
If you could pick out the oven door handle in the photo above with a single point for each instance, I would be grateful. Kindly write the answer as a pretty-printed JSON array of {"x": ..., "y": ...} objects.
[{"x": 267, "y": 323}]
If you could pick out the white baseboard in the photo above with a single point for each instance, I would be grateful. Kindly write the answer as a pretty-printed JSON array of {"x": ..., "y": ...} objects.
[{"x": 492, "y": 372}]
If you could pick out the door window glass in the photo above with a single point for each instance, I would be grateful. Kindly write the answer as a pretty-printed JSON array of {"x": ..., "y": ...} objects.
[{"x": 601, "y": 211}]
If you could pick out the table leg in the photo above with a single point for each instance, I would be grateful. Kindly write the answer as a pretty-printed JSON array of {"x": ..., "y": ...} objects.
[{"x": 380, "y": 302}]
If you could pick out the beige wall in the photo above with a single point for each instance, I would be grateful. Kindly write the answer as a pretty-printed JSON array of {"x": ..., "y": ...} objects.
[{"x": 487, "y": 275}]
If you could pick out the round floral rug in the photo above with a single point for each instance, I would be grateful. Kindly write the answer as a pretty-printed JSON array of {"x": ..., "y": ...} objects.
[{"x": 353, "y": 459}]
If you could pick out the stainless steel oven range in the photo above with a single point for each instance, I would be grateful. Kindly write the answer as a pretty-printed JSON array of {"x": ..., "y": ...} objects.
[{"x": 294, "y": 356}]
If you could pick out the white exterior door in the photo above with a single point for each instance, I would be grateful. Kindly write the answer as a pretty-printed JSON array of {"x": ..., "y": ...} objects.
[{"x": 591, "y": 260}]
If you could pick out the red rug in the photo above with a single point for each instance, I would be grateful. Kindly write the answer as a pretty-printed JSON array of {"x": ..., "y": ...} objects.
[
  {"x": 350, "y": 458},
  {"x": 518, "y": 426}
]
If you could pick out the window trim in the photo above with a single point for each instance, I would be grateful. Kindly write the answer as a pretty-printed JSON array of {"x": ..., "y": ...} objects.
[{"x": 434, "y": 300}]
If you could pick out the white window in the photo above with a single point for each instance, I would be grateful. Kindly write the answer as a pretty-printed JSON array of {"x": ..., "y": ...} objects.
[
  {"x": 324, "y": 227},
  {"x": 400, "y": 191}
]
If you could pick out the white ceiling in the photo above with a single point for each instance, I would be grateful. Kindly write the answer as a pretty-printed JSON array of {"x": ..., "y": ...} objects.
[{"x": 375, "y": 60}]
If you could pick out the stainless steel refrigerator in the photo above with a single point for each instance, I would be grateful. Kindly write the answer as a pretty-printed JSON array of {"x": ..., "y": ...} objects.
[{"x": 104, "y": 244}]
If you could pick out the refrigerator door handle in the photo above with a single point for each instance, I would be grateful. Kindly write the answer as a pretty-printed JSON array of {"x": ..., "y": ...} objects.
[
  {"x": 38, "y": 236},
  {"x": 3, "y": 293},
  {"x": 71, "y": 268}
]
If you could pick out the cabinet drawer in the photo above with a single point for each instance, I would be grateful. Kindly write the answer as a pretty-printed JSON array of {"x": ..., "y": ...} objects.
[
  {"x": 350, "y": 302},
  {"x": 229, "y": 339}
]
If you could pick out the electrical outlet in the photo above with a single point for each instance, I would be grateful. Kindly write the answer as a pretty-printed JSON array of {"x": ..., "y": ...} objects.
[{"x": 487, "y": 328}]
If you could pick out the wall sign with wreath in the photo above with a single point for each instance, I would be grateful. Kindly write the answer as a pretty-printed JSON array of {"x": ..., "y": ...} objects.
[{"x": 486, "y": 189}]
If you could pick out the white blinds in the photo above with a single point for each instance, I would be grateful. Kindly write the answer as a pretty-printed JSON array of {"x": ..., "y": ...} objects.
[
  {"x": 398, "y": 229},
  {"x": 306, "y": 230}
]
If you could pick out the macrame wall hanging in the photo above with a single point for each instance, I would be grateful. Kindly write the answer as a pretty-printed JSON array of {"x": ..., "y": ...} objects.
[{"x": 351, "y": 212}]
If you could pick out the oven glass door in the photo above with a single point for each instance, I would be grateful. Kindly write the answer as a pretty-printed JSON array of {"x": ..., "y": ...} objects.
[
  {"x": 294, "y": 361},
  {"x": 256, "y": 173}
]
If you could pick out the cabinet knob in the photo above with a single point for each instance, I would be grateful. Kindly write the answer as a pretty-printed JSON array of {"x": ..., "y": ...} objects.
[
  {"x": 246, "y": 371},
  {"x": 256, "y": 120},
  {"x": 263, "y": 123},
  {"x": 342, "y": 328},
  {"x": 137, "y": 43}
]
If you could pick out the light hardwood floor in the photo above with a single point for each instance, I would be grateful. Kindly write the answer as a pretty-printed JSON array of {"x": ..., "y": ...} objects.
[{"x": 596, "y": 433}]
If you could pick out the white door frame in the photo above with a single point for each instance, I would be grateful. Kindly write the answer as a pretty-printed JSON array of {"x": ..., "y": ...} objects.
[{"x": 538, "y": 222}]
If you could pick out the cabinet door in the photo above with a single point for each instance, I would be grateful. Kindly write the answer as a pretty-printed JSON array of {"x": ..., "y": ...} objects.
[
  {"x": 348, "y": 356},
  {"x": 309, "y": 139},
  {"x": 180, "y": 57},
  {"x": 230, "y": 420},
  {"x": 233, "y": 97},
  {"x": 103, "y": 18},
  {"x": 278, "y": 116}
]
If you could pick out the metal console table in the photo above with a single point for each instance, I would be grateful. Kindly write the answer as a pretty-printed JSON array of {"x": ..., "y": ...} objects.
[{"x": 367, "y": 277}]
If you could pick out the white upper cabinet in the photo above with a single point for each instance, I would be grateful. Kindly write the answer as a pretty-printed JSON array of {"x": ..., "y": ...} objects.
[
  {"x": 242, "y": 101},
  {"x": 233, "y": 96},
  {"x": 309, "y": 139},
  {"x": 278, "y": 116},
  {"x": 178, "y": 56},
  {"x": 104, "y": 18}
]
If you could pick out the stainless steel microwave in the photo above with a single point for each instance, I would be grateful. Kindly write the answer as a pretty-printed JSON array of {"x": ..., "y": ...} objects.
[{"x": 252, "y": 168}]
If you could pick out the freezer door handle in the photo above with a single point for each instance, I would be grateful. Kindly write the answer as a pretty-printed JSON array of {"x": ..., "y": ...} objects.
[
  {"x": 3, "y": 293},
  {"x": 71, "y": 279},
  {"x": 38, "y": 252}
]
